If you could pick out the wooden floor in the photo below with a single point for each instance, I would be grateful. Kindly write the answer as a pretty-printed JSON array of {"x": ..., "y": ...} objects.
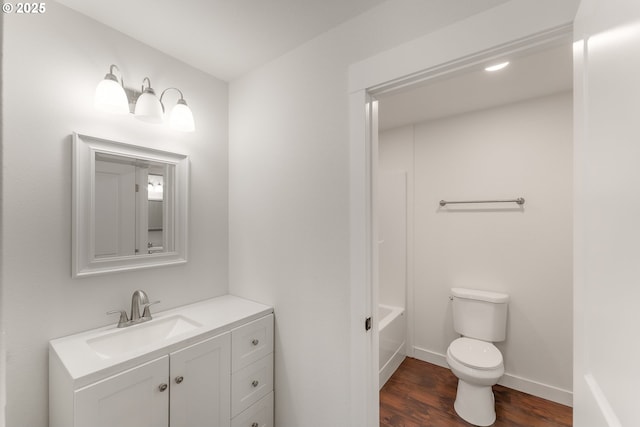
[{"x": 420, "y": 394}]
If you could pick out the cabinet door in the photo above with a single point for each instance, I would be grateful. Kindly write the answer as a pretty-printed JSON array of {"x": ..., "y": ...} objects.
[
  {"x": 200, "y": 384},
  {"x": 133, "y": 398}
]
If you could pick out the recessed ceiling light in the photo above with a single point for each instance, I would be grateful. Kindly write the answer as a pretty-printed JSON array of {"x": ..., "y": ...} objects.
[{"x": 497, "y": 66}]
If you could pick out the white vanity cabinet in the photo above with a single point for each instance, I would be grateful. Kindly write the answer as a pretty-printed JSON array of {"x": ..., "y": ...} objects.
[
  {"x": 187, "y": 388},
  {"x": 252, "y": 374},
  {"x": 131, "y": 398},
  {"x": 218, "y": 377}
]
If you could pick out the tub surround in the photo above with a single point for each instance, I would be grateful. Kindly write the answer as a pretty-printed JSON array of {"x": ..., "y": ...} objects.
[{"x": 393, "y": 246}]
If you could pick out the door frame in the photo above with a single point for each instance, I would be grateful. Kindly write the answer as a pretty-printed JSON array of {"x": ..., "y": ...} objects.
[{"x": 384, "y": 73}]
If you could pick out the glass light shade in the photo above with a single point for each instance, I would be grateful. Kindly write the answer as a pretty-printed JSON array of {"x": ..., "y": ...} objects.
[
  {"x": 181, "y": 117},
  {"x": 148, "y": 107},
  {"x": 110, "y": 97}
]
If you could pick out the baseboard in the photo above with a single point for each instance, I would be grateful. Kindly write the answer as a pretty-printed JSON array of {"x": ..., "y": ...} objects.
[
  {"x": 430, "y": 356},
  {"x": 545, "y": 391}
]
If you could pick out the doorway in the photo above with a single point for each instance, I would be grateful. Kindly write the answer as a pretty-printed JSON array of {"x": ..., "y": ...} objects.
[
  {"x": 364, "y": 201},
  {"x": 474, "y": 136}
]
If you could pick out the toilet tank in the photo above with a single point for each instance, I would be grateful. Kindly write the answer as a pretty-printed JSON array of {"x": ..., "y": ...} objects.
[{"x": 480, "y": 314}]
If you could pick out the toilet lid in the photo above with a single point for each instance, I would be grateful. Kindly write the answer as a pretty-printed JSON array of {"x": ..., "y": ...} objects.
[{"x": 475, "y": 354}]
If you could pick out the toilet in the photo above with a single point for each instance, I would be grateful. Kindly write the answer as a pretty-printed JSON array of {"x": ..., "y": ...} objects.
[{"x": 481, "y": 318}]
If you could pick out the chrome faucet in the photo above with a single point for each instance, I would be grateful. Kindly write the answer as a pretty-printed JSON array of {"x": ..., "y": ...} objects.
[{"x": 138, "y": 299}]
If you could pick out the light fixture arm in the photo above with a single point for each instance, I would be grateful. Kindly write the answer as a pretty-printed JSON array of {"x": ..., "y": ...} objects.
[
  {"x": 149, "y": 89},
  {"x": 181, "y": 117},
  {"x": 111, "y": 76},
  {"x": 174, "y": 88}
]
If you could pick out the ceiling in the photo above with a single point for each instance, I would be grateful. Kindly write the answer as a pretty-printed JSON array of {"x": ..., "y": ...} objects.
[
  {"x": 225, "y": 38},
  {"x": 529, "y": 75},
  {"x": 228, "y": 38}
]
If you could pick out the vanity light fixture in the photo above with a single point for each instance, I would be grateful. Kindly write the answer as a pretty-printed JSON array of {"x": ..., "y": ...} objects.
[
  {"x": 111, "y": 96},
  {"x": 148, "y": 107},
  {"x": 154, "y": 186},
  {"x": 180, "y": 117},
  {"x": 497, "y": 67}
]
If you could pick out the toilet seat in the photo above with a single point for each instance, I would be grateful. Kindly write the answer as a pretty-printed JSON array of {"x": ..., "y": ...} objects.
[{"x": 475, "y": 354}]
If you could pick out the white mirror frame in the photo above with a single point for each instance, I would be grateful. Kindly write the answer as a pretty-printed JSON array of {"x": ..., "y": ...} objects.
[{"x": 84, "y": 263}]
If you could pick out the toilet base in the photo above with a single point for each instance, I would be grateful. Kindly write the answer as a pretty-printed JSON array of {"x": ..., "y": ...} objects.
[{"x": 475, "y": 404}]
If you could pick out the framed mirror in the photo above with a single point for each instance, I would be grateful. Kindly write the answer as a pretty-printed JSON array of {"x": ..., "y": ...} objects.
[{"x": 130, "y": 207}]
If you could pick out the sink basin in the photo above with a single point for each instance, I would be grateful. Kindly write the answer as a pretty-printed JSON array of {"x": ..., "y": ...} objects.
[{"x": 146, "y": 334}]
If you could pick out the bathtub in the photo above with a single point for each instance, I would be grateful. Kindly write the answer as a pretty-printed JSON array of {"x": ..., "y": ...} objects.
[{"x": 392, "y": 329}]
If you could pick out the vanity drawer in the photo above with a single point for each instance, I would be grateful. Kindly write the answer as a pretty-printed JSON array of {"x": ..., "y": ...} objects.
[
  {"x": 251, "y": 342},
  {"x": 258, "y": 415},
  {"x": 251, "y": 384}
]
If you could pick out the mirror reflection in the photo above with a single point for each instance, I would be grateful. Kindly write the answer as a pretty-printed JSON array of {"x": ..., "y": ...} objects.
[
  {"x": 129, "y": 206},
  {"x": 155, "y": 188}
]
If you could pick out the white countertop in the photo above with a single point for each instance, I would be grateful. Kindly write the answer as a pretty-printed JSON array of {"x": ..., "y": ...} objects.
[{"x": 216, "y": 315}]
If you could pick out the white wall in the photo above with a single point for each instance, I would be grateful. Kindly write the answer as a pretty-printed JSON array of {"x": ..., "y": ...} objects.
[
  {"x": 51, "y": 66},
  {"x": 289, "y": 191},
  {"x": 289, "y": 202},
  {"x": 607, "y": 199},
  {"x": 2, "y": 345},
  {"x": 518, "y": 150}
]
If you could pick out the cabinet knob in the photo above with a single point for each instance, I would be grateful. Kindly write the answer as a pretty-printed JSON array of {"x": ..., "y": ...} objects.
[
  {"x": 162, "y": 387},
  {"x": 179, "y": 379},
  {"x": 255, "y": 383},
  {"x": 255, "y": 341},
  {"x": 255, "y": 425}
]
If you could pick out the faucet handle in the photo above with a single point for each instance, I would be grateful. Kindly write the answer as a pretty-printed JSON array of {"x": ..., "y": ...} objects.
[
  {"x": 146, "y": 314},
  {"x": 123, "y": 317}
]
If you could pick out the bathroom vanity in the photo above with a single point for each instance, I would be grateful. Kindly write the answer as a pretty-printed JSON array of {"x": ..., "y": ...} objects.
[{"x": 205, "y": 364}]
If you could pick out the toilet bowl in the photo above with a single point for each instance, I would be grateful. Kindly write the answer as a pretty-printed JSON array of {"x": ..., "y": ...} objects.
[
  {"x": 480, "y": 317},
  {"x": 478, "y": 366}
]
